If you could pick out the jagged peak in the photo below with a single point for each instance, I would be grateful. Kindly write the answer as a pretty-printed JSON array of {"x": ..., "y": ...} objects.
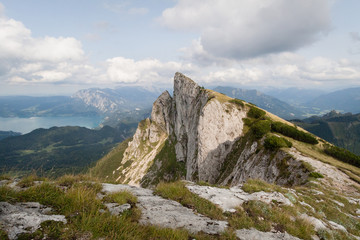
[
  {"x": 185, "y": 85},
  {"x": 161, "y": 110}
]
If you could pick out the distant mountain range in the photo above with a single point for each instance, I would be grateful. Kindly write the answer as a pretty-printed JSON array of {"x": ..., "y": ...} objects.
[
  {"x": 135, "y": 103},
  {"x": 295, "y": 96},
  {"x": 125, "y": 99},
  {"x": 340, "y": 129},
  {"x": 269, "y": 103},
  {"x": 60, "y": 150},
  {"x": 346, "y": 100}
]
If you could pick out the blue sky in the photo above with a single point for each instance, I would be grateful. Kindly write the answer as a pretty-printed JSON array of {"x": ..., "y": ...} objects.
[{"x": 57, "y": 47}]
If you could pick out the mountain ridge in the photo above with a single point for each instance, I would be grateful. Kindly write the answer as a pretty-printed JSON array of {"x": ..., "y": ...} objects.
[{"x": 211, "y": 137}]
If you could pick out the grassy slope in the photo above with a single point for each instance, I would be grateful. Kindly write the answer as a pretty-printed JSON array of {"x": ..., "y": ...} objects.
[{"x": 107, "y": 164}]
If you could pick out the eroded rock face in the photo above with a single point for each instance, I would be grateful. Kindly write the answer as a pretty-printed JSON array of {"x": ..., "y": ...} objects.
[
  {"x": 220, "y": 125},
  {"x": 25, "y": 217},
  {"x": 204, "y": 128},
  {"x": 141, "y": 151},
  {"x": 258, "y": 163},
  {"x": 189, "y": 100}
]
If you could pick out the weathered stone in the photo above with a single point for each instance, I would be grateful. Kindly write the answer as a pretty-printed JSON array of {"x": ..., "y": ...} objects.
[
  {"x": 24, "y": 217},
  {"x": 253, "y": 234},
  {"x": 116, "y": 209},
  {"x": 317, "y": 223},
  {"x": 340, "y": 204},
  {"x": 337, "y": 226},
  {"x": 229, "y": 199},
  {"x": 167, "y": 213}
]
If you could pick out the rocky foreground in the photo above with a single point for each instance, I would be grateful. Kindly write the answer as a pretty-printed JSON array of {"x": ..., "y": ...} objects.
[{"x": 27, "y": 217}]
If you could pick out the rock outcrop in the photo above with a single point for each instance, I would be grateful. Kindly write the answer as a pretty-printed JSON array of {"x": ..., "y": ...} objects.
[
  {"x": 25, "y": 217},
  {"x": 205, "y": 133},
  {"x": 168, "y": 213}
]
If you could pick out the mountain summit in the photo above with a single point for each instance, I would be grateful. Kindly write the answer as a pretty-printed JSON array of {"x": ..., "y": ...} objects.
[{"x": 202, "y": 135}]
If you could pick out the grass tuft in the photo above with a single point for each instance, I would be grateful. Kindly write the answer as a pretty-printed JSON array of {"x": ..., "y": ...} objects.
[
  {"x": 29, "y": 181},
  {"x": 178, "y": 192},
  {"x": 257, "y": 185},
  {"x": 121, "y": 197}
]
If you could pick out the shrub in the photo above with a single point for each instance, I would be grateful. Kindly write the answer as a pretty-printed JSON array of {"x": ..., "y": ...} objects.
[
  {"x": 237, "y": 102},
  {"x": 293, "y": 133},
  {"x": 343, "y": 155},
  {"x": 247, "y": 121},
  {"x": 255, "y": 112},
  {"x": 274, "y": 143},
  {"x": 260, "y": 128}
]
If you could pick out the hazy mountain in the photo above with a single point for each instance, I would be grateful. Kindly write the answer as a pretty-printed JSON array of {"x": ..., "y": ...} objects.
[
  {"x": 125, "y": 104},
  {"x": 295, "y": 96},
  {"x": 346, "y": 100},
  {"x": 60, "y": 150},
  {"x": 269, "y": 103},
  {"x": 340, "y": 129},
  {"x": 122, "y": 99},
  {"x": 25, "y": 106},
  {"x": 5, "y": 134}
]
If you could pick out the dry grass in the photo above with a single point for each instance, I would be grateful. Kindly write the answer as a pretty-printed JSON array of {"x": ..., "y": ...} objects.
[
  {"x": 222, "y": 98},
  {"x": 178, "y": 192},
  {"x": 257, "y": 185},
  {"x": 316, "y": 153}
]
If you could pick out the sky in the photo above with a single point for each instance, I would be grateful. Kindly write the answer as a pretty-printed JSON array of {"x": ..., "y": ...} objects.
[{"x": 60, "y": 46}]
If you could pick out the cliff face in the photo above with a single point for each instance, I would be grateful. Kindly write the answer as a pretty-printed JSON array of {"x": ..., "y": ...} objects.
[{"x": 202, "y": 132}]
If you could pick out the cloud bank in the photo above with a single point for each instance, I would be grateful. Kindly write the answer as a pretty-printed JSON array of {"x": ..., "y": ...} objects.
[{"x": 243, "y": 29}]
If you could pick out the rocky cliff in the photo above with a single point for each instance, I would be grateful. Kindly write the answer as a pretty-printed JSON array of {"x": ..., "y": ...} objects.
[{"x": 201, "y": 135}]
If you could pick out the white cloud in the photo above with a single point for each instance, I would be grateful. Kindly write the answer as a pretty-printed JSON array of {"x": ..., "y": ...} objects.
[
  {"x": 17, "y": 43},
  {"x": 147, "y": 71},
  {"x": 355, "y": 36},
  {"x": 247, "y": 28},
  {"x": 25, "y": 59},
  {"x": 288, "y": 70}
]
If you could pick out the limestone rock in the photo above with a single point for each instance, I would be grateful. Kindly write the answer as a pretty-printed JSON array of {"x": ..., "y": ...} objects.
[
  {"x": 167, "y": 213},
  {"x": 116, "y": 209},
  {"x": 335, "y": 225},
  {"x": 229, "y": 199},
  {"x": 206, "y": 129},
  {"x": 253, "y": 234},
  {"x": 24, "y": 217},
  {"x": 317, "y": 223}
]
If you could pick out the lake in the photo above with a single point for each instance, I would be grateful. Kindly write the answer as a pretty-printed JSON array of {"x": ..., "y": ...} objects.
[{"x": 26, "y": 125}]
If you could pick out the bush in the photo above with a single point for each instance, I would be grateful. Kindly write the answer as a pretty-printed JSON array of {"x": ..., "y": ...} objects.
[
  {"x": 274, "y": 143},
  {"x": 255, "y": 112},
  {"x": 293, "y": 133},
  {"x": 237, "y": 102},
  {"x": 260, "y": 128},
  {"x": 343, "y": 155}
]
